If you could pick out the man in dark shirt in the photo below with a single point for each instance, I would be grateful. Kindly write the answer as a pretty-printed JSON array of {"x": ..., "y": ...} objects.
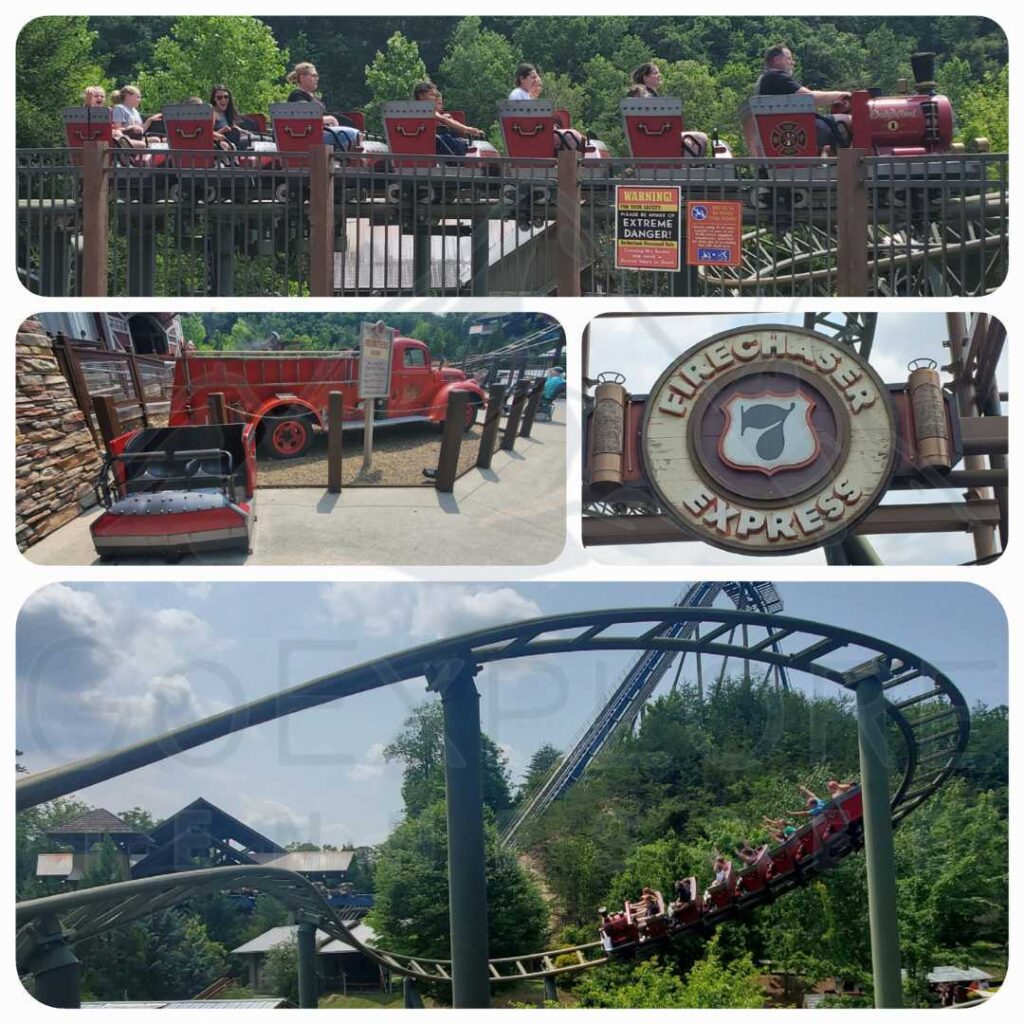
[{"x": 777, "y": 79}]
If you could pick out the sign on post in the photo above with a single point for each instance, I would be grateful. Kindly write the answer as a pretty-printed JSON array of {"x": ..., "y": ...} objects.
[
  {"x": 375, "y": 342},
  {"x": 647, "y": 228},
  {"x": 714, "y": 233}
]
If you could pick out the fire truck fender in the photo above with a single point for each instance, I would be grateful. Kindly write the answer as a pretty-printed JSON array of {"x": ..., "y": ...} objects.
[
  {"x": 440, "y": 404},
  {"x": 291, "y": 403}
]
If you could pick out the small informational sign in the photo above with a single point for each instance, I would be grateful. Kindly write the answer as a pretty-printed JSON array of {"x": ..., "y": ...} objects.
[
  {"x": 714, "y": 233},
  {"x": 375, "y": 342},
  {"x": 647, "y": 228},
  {"x": 375, "y": 360}
]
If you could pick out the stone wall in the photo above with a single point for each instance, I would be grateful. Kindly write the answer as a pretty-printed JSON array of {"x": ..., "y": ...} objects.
[{"x": 56, "y": 459}]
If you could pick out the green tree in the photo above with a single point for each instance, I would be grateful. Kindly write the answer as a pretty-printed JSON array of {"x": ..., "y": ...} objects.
[
  {"x": 281, "y": 967},
  {"x": 193, "y": 328},
  {"x": 985, "y": 111},
  {"x": 391, "y": 75},
  {"x": 419, "y": 747},
  {"x": 139, "y": 818},
  {"x": 410, "y": 910},
  {"x": 537, "y": 771},
  {"x": 713, "y": 983},
  {"x": 477, "y": 72},
  {"x": 54, "y": 61},
  {"x": 202, "y": 50}
]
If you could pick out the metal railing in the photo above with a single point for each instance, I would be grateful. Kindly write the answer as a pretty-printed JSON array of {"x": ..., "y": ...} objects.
[{"x": 143, "y": 223}]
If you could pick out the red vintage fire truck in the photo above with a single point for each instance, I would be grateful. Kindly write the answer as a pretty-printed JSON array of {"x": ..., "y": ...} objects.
[{"x": 284, "y": 395}]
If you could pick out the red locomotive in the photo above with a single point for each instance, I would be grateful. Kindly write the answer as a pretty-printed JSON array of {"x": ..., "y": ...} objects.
[{"x": 916, "y": 124}]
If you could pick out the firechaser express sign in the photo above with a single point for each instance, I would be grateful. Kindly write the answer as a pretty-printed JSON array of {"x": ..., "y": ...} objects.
[
  {"x": 769, "y": 441},
  {"x": 647, "y": 231}
]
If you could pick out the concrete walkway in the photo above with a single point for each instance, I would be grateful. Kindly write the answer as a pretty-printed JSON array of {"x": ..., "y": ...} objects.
[{"x": 511, "y": 514}]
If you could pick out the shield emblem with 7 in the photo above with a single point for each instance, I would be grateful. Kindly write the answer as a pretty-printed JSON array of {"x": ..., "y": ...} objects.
[{"x": 768, "y": 433}]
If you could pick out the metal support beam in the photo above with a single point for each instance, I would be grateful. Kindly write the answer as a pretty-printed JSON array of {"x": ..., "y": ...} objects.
[
  {"x": 467, "y": 874},
  {"x": 550, "y": 989},
  {"x": 308, "y": 995},
  {"x": 54, "y": 967},
  {"x": 411, "y": 998},
  {"x": 879, "y": 855}
]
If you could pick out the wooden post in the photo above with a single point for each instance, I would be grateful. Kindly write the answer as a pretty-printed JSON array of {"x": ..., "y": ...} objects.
[
  {"x": 107, "y": 418},
  {"x": 851, "y": 224},
  {"x": 140, "y": 388},
  {"x": 216, "y": 410},
  {"x": 567, "y": 224},
  {"x": 451, "y": 441},
  {"x": 534, "y": 396},
  {"x": 508, "y": 439},
  {"x": 321, "y": 222},
  {"x": 492, "y": 420},
  {"x": 95, "y": 225},
  {"x": 335, "y": 420},
  {"x": 963, "y": 390}
]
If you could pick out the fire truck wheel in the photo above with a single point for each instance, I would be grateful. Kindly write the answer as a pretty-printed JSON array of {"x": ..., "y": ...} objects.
[
  {"x": 472, "y": 411},
  {"x": 287, "y": 436}
]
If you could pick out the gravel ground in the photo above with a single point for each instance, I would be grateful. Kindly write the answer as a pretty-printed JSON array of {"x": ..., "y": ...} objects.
[{"x": 400, "y": 454}]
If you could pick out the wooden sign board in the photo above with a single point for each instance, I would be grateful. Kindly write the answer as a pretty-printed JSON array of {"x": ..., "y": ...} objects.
[{"x": 375, "y": 341}]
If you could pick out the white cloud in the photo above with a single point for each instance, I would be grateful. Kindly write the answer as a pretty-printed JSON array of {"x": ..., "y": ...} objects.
[
  {"x": 100, "y": 668},
  {"x": 426, "y": 612},
  {"x": 372, "y": 764},
  {"x": 77, "y": 610},
  {"x": 196, "y": 591},
  {"x": 442, "y": 611},
  {"x": 273, "y": 818}
]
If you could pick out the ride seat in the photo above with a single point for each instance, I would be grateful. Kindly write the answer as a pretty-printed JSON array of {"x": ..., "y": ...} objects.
[
  {"x": 528, "y": 128},
  {"x": 653, "y": 126},
  {"x": 189, "y": 129},
  {"x": 411, "y": 129},
  {"x": 87, "y": 124},
  {"x": 258, "y": 121},
  {"x": 298, "y": 129},
  {"x": 780, "y": 126}
]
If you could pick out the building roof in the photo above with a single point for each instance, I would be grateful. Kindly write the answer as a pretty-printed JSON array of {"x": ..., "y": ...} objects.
[
  {"x": 278, "y": 936},
  {"x": 98, "y": 821},
  {"x": 287, "y": 932},
  {"x": 201, "y": 811},
  {"x": 363, "y": 932},
  {"x": 314, "y": 862},
  {"x": 938, "y": 975}
]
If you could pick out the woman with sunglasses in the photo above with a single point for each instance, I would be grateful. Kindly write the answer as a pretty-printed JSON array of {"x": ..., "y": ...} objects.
[{"x": 226, "y": 120}]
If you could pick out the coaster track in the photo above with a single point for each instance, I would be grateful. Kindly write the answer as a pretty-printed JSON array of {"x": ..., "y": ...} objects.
[{"x": 927, "y": 712}]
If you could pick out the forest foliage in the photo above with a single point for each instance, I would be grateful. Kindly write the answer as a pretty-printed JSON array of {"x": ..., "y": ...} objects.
[
  {"x": 694, "y": 778},
  {"x": 709, "y": 61}
]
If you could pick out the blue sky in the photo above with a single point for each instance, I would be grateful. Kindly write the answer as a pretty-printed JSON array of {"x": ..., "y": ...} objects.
[
  {"x": 642, "y": 347},
  {"x": 103, "y": 665}
]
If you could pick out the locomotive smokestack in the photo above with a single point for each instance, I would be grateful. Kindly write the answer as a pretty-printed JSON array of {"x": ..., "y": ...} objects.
[{"x": 923, "y": 66}]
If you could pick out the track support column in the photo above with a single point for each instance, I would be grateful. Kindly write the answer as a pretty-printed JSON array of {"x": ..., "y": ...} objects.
[
  {"x": 411, "y": 998},
  {"x": 550, "y": 989},
  {"x": 467, "y": 876},
  {"x": 55, "y": 969},
  {"x": 308, "y": 995},
  {"x": 879, "y": 855}
]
